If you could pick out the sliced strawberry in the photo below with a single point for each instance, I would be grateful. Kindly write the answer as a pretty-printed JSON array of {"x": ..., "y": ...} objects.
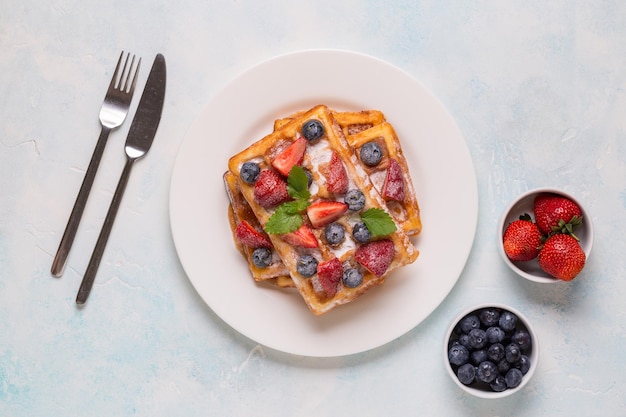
[
  {"x": 337, "y": 178},
  {"x": 302, "y": 237},
  {"x": 329, "y": 274},
  {"x": 393, "y": 188},
  {"x": 251, "y": 237},
  {"x": 270, "y": 189},
  {"x": 376, "y": 256},
  {"x": 324, "y": 212},
  {"x": 290, "y": 156}
]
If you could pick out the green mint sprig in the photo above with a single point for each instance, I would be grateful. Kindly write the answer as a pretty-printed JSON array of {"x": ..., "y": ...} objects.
[
  {"x": 288, "y": 216},
  {"x": 298, "y": 184},
  {"x": 378, "y": 222}
]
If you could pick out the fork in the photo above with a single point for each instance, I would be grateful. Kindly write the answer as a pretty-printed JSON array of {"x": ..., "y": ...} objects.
[{"x": 112, "y": 114}]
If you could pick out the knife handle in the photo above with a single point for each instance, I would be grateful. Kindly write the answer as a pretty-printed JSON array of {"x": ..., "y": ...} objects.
[{"x": 96, "y": 256}]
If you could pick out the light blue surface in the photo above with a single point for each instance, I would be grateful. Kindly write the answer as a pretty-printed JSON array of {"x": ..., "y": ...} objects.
[{"x": 537, "y": 88}]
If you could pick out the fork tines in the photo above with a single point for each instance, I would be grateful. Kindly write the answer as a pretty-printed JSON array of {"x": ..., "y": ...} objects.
[{"x": 120, "y": 80}]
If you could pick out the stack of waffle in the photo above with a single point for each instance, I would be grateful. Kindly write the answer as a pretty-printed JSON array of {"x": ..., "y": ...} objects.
[{"x": 347, "y": 227}]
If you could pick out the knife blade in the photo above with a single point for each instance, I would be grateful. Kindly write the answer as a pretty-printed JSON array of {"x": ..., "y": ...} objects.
[
  {"x": 148, "y": 115},
  {"x": 138, "y": 142}
]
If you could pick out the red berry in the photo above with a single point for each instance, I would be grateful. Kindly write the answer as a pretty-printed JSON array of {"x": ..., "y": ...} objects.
[
  {"x": 393, "y": 188},
  {"x": 251, "y": 237},
  {"x": 290, "y": 156},
  {"x": 329, "y": 274},
  {"x": 324, "y": 212},
  {"x": 270, "y": 189},
  {"x": 376, "y": 256},
  {"x": 562, "y": 257},
  {"x": 303, "y": 237},
  {"x": 522, "y": 240},
  {"x": 337, "y": 178},
  {"x": 553, "y": 212}
]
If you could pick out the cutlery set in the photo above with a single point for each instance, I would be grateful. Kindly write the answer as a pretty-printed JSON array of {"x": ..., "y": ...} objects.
[{"x": 140, "y": 136}]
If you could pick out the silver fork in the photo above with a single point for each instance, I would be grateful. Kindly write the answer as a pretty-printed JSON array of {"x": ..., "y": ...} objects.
[{"x": 112, "y": 114}]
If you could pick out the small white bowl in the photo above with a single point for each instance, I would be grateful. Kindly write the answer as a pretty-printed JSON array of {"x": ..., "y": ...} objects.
[
  {"x": 480, "y": 389},
  {"x": 524, "y": 204}
]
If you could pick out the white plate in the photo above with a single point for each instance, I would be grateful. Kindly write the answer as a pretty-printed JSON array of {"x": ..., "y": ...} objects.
[{"x": 243, "y": 112}]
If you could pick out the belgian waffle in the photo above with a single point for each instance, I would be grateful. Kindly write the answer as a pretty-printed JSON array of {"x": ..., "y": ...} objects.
[
  {"x": 405, "y": 210},
  {"x": 366, "y": 126},
  {"x": 239, "y": 210},
  {"x": 321, "y": 293}
]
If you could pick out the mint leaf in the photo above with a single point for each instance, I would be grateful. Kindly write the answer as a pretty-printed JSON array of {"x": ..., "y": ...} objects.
[
  {"x": 298, "y": 183},
  {"x": 288, "y": 216},
  {"x": 285, "y": 219},
  {"x": 378, "y": 222},
  {"x": 294, "y": 207}
]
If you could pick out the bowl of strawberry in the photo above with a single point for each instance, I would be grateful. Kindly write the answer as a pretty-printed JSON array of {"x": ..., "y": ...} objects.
[
  {"x": 491, "y": 351},
  {"x": 545, "y": 236}
]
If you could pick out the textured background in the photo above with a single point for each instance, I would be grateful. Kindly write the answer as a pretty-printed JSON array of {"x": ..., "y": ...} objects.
[{"x": 537, "y": 88}]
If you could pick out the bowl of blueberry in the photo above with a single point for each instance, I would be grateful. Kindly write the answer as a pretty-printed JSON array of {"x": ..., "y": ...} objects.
[
  {"x": 491, "y": 351},
  {"x": 545, "y": 236}
]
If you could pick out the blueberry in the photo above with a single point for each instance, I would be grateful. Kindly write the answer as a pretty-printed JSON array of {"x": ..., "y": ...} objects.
[
  {"x": 522, "y": 338},
  {"x": 464, "y": 340},
  {"x": 503, "y": 366},
  {"x": 262, "y": 257},
  {"x": 334, "y": 234},
  {"x": 495, "y": 334},
  {"x": 495, "y": 352},
  {"x": 361, "y": 233},
  {"x": 477, "y": 338},
  {"x": 513, "y": 378},
  {"x": 355, "y": 199},
  {"x": 249, "y": 172},
  {"x": 512, "y": 353},
  {"x": 458, "y": 355},
  {"x": 507, "y": 321},
  {"x": 489, "y": 317},
  {"x": 486, "y": 372},
  {"x": 498, "y": 384},
  {"x": 478, "y": 356},
  {"x": 312, "y": 129},
  {"x": 466, "y": 373},
  {"x": 523, "y": 364},
  {"x": 306, "y": 266},
  {"x": 468, "y": 323},
  {"x": 371, "y": 154},
  {"x": 453, "y": 342},
  {"x": 352, "y": 278}
]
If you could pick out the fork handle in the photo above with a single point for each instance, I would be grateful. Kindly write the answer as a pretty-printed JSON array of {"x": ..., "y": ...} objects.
[
  {"x": 96, "y": 256},
  {"x": 58, "y": 264}
]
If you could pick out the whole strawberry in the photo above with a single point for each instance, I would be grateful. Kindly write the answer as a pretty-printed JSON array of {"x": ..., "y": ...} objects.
[
  {"x": 555, "y": 213},
  {"x": 522, "y": 240},
  {"x": 562, "y": 257}
]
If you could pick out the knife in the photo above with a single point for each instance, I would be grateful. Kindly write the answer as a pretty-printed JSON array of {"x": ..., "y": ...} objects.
[{"x": 140, "y": 137}]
